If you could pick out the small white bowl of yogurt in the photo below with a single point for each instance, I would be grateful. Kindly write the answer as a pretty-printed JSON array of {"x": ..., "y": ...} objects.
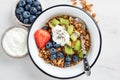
[{"x": 14, "y": 41}]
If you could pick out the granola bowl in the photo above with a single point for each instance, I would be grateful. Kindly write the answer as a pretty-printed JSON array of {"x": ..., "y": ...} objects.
[{"x": 41, "y": 53}]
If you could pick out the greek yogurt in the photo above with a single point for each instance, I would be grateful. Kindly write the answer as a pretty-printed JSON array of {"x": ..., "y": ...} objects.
[
  {"x": 14, "y": 42},
  {"x": 60, "y": 36}
]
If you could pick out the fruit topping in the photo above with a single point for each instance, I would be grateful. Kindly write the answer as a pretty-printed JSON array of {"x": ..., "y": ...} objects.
[
  {"x": 49, "y": 45},
  {"x": 64, "y": 21},
  {"x": 70, "y": 29},
  {"x": 52, "y": 50},
  {"x": 73, "y": 37},
  {"x": 67, "y": 58},
  {"x": 56, "y": 45},
  {"x": 53, "y": 56},
  {"x": 77, "y": 45},
  {"x": 45, "y": 28},
  {"x": 55, "y": 22},
  {"x": 67, "y": 64},
  {"x": 80, "y": 54},
  {"x": 68, "y": 50},
  {"x": 60, "y": 55},
  {"x": 75, "y": 58},
  {"x": 41, "y": 38}
]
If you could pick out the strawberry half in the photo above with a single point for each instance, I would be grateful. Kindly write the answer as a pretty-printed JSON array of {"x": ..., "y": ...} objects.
[{"x": 41, "y": 37}]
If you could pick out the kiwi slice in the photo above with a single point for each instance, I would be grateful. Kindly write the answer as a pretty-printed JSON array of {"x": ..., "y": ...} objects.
[
  {"x": 55, "y": 22},
  {"x": 70, "y": 29},
  {"x": 73, "y": 37},
  {"x": 80, "y": 54},
  {"x": 64, "y": 21},
  {"x": 68, "y": 50},
  {"x": 69, "y": 43},
  {"x": 50, "y": 24},
  {"x": 77, "y": 45}
]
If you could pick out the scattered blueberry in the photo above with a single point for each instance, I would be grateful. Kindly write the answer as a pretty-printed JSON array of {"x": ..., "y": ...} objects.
[
  {"x": 19, "y": 10},
  {"x": 27, "y": 7},
  {"x": 26, "y": 14},
  {"x": 32, "y": 18},
  {"x": 60, "y": 55},
  {"x": 29, "y": 1},
  {"x": 26, "y": 21},
  {"x": 52, "y": 50},
  {"x": 38, "y": 8},
  {"x": 67, "y": 64},
  {"x": 75, "y": 58},
  {"x": 56, "y": 45},
  {"x": 45, "y": 28},
  {"x": 49, "y": 45},
  {"x": 33, "y": 10},
  {"x": 68, "y": 58},
  {"x": 36, "y": 3},
  {"x": 53, "y": 56},
  {"x": 21, "y": 3}
]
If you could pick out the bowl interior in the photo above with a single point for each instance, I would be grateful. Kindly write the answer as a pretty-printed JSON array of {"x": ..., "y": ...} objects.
[{"x": 42, "y": 19}]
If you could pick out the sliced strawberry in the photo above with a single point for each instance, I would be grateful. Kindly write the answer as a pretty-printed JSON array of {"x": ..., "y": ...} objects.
[{"x": 41, "y": 37}]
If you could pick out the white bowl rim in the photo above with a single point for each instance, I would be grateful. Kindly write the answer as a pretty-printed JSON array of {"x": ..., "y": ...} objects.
[{"x": 100, "y": 46}]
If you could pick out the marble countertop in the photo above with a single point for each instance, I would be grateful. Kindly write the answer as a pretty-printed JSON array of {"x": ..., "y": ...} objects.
[{"x": 108, "y": 64}]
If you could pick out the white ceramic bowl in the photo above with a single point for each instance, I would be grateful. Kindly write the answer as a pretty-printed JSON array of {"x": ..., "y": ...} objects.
[{"x": 70, "y": 72}]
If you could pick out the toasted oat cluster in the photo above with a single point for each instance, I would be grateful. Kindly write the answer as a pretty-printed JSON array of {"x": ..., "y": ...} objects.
[
  {"x": 86, "y": 6},
  {"x": 67, "y": 29}
]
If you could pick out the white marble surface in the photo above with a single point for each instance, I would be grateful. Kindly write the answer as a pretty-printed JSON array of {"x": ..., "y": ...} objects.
[{"x": 108, "y": 64}]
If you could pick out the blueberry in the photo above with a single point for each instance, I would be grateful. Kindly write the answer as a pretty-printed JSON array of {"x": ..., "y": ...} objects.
[
  {"x": 27, "y": 7},
  {"x": 36, "y": 3},
  {"x": 20, "y": 17},
  {"x": 19, "y": 10},
  {"x": 60, "y": 55},
  {"x": 51, "y": 33},
  {"x": 26, "y": 21},
  {"x": 68, "y": 59},
  {"x": 33, "y": 10},
  {"x": 21, "y": 3},
  {"x": 52, "y": 50},
  {"x": 32, "y": 18},
  {"x": 39, "y": 8},
  {"x": 56, "y": 45},
  {"x": 45, "y": 28},
  {"x": 75, "y": 58},
  {"x": 53, "y": 56},
  {"x": 67, "y": 64},
  {"x": 26, "y": 14},
  {"x": 29, "y": 1},
  {"x": 38, "y": 13},
  {"x": 49, "y": 45}
]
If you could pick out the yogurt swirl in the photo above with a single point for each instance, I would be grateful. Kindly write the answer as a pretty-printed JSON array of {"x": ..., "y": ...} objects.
[{"x": 60, "y": 36}]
